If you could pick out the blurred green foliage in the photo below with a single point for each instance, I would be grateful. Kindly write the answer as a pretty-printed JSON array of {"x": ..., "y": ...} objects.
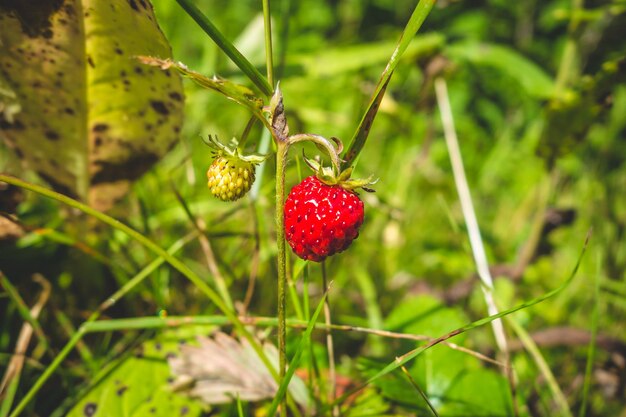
[{"x": 543, "y": 138}]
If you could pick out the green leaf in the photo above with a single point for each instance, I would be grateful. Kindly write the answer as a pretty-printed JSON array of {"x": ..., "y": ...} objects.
[
  {"x": 529, "y": 75},
  {"x": 367, "y": 404},
  {"x": 92, "y": 119},
  {"x": 335, "y": 61},
  {"x": 481, "y": 392},
  {"x": 138, "y": 385}
]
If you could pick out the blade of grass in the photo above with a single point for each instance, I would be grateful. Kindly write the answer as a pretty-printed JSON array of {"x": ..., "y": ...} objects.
[
  {"x": 591, "y": 350},
  {"x": 81, "y": 347},
  {"x": 304, "y": 342},
  {"x": 220, "y": 282},
  {"x": 149, "y": 244},
  {"x": 269, "y": 55},
  {"x": 473, "y": 229},
  {"x": 13, "y": 371},
  {"x": 76, "y": 337},
  {"x": 544, "y": 368},
  {"x": 481, "y": 322},
  {"x": 239, "y": 407},
  {"x": 419, "y": 390},
  {"x": 332, "y": 376},
  {"x": 23, "y": 309},
  {"x": 9, "y": 396},
  {"x": 225, "y": 45},
  {"x": 359, "y": 138}
]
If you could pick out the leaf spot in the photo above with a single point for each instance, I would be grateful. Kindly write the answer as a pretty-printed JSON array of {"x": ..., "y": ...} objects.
[
  {"x": 52, "y": 135},
  {"x": 90, "y": 409},
  {"x": 159, "y": 107},
  {"x": 176, "y": 96},
  {"x": 100, "y": 127}
]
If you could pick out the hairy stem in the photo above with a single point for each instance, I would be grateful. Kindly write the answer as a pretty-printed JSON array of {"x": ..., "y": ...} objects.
[{"x": 281, "y": 157}]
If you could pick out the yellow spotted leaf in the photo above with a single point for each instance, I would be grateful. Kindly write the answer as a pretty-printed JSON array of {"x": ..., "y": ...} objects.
[{"x": 78, "y": 108}]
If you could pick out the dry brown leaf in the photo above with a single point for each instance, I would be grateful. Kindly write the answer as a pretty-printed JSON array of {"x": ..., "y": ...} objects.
[{"x": 222, "y": 368}]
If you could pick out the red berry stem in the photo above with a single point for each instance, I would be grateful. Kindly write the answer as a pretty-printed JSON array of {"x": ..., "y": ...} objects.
[{"x": 321, "y": 141}]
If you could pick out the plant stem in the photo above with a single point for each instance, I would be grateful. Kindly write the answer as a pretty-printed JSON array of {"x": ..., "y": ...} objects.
[
  {"x": 570, "y": 61},
  {"x": 281, "y": 157},
  {"x": 269, "y": 55},
  {"x": 591, "y": 349},
  {"x": 329, "y": 343}
]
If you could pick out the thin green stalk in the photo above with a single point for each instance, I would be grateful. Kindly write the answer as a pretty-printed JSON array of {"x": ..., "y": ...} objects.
[
  {"x": 419, "y": 390},
  {"x": 220, "y": 282},
  {"x": 9, "y": 396},
  {"x": 591, "y": 350},
  {"x": 56, "y": 362},
  {"x": 304, "y": 342},
  {"x": 83, "y": 350},
  {"x": 177, "y": 264},
  {"x": 568, "y": 66},
  {"x": 359, "y": 138},
  {"x": 269, "y": 55},
  {"x": 281, "y": 159},
  {"x": 293, "y": 296},
  {"x": 23, "y": 309},
  {"x": 544, "y": 368},
  {"x": 305, "y": 292},
  {"x": 225, "y": 45},
  {"x": 239, "y": 407},
  {"x": 329, "y": 343}
]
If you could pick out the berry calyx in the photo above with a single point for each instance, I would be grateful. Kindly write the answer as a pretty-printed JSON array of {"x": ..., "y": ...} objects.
[
  {"x": 231, "y": 174},
  {"x": 321, "y": 219}
]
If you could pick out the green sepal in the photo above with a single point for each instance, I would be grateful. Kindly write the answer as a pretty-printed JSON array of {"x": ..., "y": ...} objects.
[
  {"x": 232, "y": 150},
  {"x": 327, "y": 176}
]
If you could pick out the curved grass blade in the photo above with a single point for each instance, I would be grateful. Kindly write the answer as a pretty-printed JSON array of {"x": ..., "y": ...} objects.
[
  {"x": 416, "y": 352},
  {"x": 420, "y": 13},
  {"x": 225, "y": 45}
]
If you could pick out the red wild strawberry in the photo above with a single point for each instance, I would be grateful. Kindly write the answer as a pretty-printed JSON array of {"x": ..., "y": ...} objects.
[{"x": 321, "y": 219}]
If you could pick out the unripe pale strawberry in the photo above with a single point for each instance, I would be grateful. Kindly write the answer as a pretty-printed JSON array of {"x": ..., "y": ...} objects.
[
  {"x": 231, "y": 174},
  {"x": 321, "y": 219},
  {"x": 230, "y": 179}
]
